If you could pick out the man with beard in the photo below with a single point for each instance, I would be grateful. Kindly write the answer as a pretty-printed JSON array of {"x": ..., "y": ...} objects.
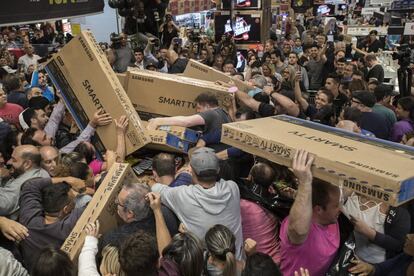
[{"x": 25, "y": 165}]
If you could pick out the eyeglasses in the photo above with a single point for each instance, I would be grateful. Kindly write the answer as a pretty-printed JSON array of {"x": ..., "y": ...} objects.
[{"x": 118, "y": 203}]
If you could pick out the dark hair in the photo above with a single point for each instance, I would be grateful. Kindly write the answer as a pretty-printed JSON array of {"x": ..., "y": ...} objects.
[
  {"x": 51, "y": 262},
  {"x": 343, "y": 60},
  {"x": 228, "y": 61},
  {"x": 375, "y": 82},
  {"x": 262, "y": 97},
  {"x": 27, "y": 137},
  {"x": 407, "y": 103},
  {"x": 186, "y": 250},
  {"x": 321, "y": 192},
  {"x": 277, "y": 52},
  {"x": 28, "y": 114},
  {"x": 138, "y": 50},
  {"x": 382, "y": 91},
  {"x": 335, "y": 77},
  {"x": 164, "y": 164},
  {"x": 138, "y": 255},
  {"x": 85, "y": 151},
  {"x": 260, "y": 264},
  {"x": 353, "y": 114},
  {"x": 357, "y": 85},
  {"x": 38, "y": 103},
  {"x": 370, "y": 57},
  {"x": 55, "y": 197},
  {"x": 207, "y": 98},
  {"x": 11, "y": 83},
  {"x": 79, "y": 170},
  {"x": 358, "y": 73},
  {"x": 262, "y": 174},
  {"x": 328, "y": 94}
]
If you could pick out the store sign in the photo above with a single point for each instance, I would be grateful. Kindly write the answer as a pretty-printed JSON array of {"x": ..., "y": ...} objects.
[
  {"x": 409, "y": 29},
  {"x": 240, "y": 28},
  {"x": 369, "y": 11},
  {"x": 361, "y": 31},
  {"x": 27, "y": 11}
]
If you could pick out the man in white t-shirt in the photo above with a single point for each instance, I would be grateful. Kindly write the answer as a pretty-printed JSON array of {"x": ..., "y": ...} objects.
[{"x": 28, "y": 59}]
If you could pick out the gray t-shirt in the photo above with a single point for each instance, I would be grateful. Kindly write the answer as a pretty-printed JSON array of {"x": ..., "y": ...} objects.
[
  {"x": 124, "y": 58},
  {"x": 315, "y": 69}
]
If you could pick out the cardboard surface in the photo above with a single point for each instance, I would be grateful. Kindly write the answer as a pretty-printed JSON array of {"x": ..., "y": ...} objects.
[
  {"x": 158, "y": 95},
  {"x": 201, "y": 71},
  {"x": 122, "y": 77},
  {"x": 102, "y": 207},
  {"x": 88, "y": 84},
  {"x": 377, "y": 169}
]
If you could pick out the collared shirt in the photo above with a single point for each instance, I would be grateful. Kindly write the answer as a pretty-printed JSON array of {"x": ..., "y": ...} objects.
[{"x": 10, "y": 192}]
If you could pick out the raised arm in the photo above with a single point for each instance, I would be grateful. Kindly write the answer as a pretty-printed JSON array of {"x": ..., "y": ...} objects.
[
  {"x": 184, "y": 121},
  {"x": 161, "y": 229},
  {"x": 300, "y": 215},
  {"x": 248, "y": 101},
  {"x": 298, "y": 93},
  {"x": 291, "y": 108}
]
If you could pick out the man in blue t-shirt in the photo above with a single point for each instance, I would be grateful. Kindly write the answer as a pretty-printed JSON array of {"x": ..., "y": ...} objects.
[
  {"x": 164, "y": 171},
  {"x": 371, "y": 121}
]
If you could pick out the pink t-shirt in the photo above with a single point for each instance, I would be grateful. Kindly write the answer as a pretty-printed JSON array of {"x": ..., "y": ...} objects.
[
  {"x": 96, "y": 166},
  {"x": 10, "y": 113},
  {"x": 316, "y": 253},
  {"x": 262, "y": 226}
]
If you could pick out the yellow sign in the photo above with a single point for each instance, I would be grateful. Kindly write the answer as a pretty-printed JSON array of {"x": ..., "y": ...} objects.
[{"x": 76, "y": 28}]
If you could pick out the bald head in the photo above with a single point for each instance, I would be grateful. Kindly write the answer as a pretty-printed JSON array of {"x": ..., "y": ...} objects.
[
  {"x": 50, "y": 157},
  {"x": 23, "y": 159}
]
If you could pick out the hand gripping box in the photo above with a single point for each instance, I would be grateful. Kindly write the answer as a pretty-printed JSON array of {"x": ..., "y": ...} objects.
[
  {"x": 159, "y": 95},
  {"x": 372, "y": 167},
  {"x": 102, "y": 207},
  {"x": 201, "y": 71},
  {"x": 88, "y": 84}
]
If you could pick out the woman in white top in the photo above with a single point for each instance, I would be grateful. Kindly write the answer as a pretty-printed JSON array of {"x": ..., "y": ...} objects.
[{"x": 378, "y": 228}]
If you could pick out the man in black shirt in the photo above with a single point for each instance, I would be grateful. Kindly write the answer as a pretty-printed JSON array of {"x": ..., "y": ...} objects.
[{"x": 375, "y": 69}]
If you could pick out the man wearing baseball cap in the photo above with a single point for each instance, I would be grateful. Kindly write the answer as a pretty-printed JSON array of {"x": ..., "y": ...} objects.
[
  {"x": 207, "y": 202},
  {"x": 376, "y": 123}
]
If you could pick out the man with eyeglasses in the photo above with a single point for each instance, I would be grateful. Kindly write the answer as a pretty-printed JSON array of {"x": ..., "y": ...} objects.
[
  {"x": 371, "y": 121},
  {"x": 134, "y": 209}
]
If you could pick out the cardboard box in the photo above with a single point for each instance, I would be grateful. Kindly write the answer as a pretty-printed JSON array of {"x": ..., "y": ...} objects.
[
  {"x": 122, "y": 77},
  {"x": 88, "y": 84},
  {"x": 375, "y": 168},
  {"x": 201, "y": 71},
  {"x": 172, "y": 139},
  {"x": 102, "y": 207},
  {"x": 158, "y": 95}
]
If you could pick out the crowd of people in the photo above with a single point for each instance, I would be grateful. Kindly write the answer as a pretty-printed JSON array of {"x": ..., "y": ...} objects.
[{"x": 225, "y": 212}]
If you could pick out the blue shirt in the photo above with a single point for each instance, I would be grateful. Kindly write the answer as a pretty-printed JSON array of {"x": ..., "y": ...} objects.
[{"x": 182, "y": 179}]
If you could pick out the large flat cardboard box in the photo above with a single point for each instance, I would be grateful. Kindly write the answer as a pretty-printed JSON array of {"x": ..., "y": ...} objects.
[
  {"x": 372, "y": 167},
  {"x": 102, "y": 207},
  {"x": 159, "y": 95},
  {"x": 88, "y": 84},
  {"x": 201, "y": 71}
]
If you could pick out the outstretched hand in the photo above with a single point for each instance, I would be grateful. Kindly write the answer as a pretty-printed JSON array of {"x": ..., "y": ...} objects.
[{"x": 302, "y": 163}]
